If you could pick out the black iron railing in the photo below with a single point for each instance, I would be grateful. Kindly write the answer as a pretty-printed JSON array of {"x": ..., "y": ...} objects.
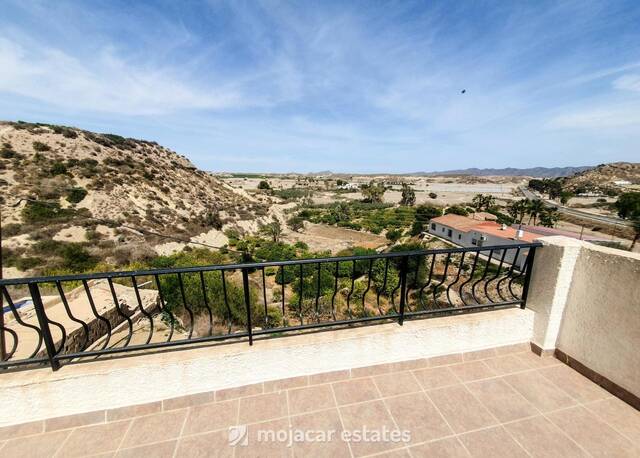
[{"x": 78, "y": 317}]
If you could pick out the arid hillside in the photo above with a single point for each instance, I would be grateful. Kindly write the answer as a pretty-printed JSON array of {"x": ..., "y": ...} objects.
[
  {"x": 107, "y": 194},
  {"x": 605, "y": 176}
]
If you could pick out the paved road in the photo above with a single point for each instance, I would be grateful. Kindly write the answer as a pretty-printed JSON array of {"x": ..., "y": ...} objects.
[{"x": 610, "y": 220}]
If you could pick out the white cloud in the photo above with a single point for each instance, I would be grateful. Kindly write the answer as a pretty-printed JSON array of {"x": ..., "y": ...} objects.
[
  {"x": 605, "y": 117},
  {"x": 106, "y": 84},
  {"x": 628, "y": 83}
]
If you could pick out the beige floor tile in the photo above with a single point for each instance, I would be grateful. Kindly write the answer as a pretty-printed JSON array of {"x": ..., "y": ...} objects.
[
  {"x": 417, "y": 414},
  {"x": 515, "y": 348},
  {"x": 474, "y": 370},
  {"x": 210, "y": 417},
  {"x": 478, "y": 355},
  {"x": 326, "y": 377},
  {"x": 139, "y": 410},
  {"x": 502, "y": 400},
  {"x": 308, "y": 399},
  {"x": 445, "y": 360},
  {"x": 508, "y": 364},
  {"x": 492, "y": 442},
  {"x": 208, "y": 445},
  {"x": 400, "y": 453},
  {"x": 35, "y": 446},
  {"x": 462, "y": 411},
  {"x": 285, "y": 384},
  {"x": 577, "y": 386},
  {"x": 373, "y": 417},
  {"x": 444, "y": 448},
  {"x": 537, "y": 362},
  {"x": 436, "y": 377},
  {"x": 265, "y": 440},
  {"x": 326, "y": 439},
  {"x": 541, "y": 438},
  {"x": 24, "y": 429},
  {"x": 595, "y": 436},
  {"x": 359, "y": 390},
  {"x": 155, "y": 428},
  {"x": 73, "y": 421},
  {"x": 158, "y": 450},
  {"x": 101, "y": 438},
  {"x": 239, "y": 392},
  {"x": 539, "y": 391},
  {"x": 263, "y": 407},
  {"x": 620, "y": 416},
  {"x": 187, "y": 401},
  {"x": 409, "y": 365},
  {"x": 367, "y": 371},
  {"x": 397, "y": 383}
]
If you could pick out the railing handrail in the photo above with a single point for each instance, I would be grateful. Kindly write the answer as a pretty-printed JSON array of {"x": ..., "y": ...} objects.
[{"x": 256, "y": 265}]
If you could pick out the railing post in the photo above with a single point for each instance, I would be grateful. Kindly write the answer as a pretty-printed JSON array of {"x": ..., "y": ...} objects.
[
  {"x": 527, "y": 276},
  {"x": 403, "y": 287},
  {"x": 38, "y": 306},
  {"x": 247, "y": 302}
]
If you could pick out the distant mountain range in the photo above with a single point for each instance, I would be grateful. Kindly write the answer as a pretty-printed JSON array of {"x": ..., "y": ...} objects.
[{"x": 538, "y": 172}]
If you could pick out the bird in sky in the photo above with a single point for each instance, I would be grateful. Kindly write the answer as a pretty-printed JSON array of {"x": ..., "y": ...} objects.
[{"x": 463, "y": 91}]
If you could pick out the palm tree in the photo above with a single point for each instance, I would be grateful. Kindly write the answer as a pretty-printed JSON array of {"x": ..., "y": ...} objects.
[{"x": 535, "y": 208}]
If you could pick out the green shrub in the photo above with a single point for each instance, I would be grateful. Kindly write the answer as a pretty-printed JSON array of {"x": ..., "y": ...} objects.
[
  {"x": 9, "y": 230},
  {"x": 76, "y": 258},
  {"x": 41, "y": 147},
  {"x": 76, "y": 195},
  {"x": 58, "y": 168},
  {"x": 27, "y": 263}
]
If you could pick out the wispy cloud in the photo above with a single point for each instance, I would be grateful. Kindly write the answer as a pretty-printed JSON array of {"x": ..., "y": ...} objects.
[{"x": 328, "y": 85}]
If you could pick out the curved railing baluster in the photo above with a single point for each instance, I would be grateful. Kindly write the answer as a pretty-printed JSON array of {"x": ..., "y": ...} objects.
[
  {"x": 301, "y": 294},
  {"x": 99, "y": 317},
  {"x": 206, "y": 302},
  {"x": 335, "y": 291},
  {"x": 473, "y": 270},
  {"x": 226, "y": 303},
  {"x": 353, "y": 282},
  {"x": 486, "y": 285},
  {"x": 19, "y": 320},
  {"x": 456, "y": 280},
  {"x": 508, "y": 275},
  {"x": 142, "y": 310},
  {"x": 484, "y": 276},
  {"x": 116, "y": 303},
  {"x": 364, "y": 295},
  {"x": 165, "y": 309},
  {"x": 264, "y": 298},
  {"x": 65, "y": 304},
  {"x": 444, "y": 279},
  {"x": 428, "y": 282},
  {"x": 317, "y": 292},
  {"x": 187, "y": 308},
  {"x": 384, "y": 286}
]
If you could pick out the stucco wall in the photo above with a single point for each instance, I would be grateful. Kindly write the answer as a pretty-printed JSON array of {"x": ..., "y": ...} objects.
[
  {"x": 601, "y": 322},
  {"x": 41, "y": 393},
  {"x": 586, "y": 300}
]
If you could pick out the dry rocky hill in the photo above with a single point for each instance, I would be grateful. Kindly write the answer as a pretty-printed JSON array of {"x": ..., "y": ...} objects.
[
  {"x": 63, "y": 186},
  {"x": 604, "y": 177}
]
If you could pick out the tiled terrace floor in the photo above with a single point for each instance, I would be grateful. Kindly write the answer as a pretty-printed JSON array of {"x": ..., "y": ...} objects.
[{"x": 499, "y": 402}]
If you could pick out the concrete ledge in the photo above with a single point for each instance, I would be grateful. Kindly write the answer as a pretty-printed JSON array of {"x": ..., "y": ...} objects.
[{"x": 40, "y": 394}]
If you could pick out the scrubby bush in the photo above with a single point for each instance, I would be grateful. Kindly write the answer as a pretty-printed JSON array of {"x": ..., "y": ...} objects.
[
  {"x": 40, "y": 147},
  {"x": 76, "y": 195}
]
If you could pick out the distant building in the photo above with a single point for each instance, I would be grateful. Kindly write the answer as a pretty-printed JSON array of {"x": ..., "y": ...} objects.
[
  {"x": 469, "y": 232},
  {"x": 483, "y": 216},
  {"x": 622, "y": 183},
  {"x": 349, "y": 186}
]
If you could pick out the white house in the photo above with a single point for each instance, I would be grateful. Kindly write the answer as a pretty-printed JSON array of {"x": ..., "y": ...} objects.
[{"x": 468, "y": 232}]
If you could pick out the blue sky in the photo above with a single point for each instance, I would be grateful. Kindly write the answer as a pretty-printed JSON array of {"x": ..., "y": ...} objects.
[{"x": 343, "y": 86}]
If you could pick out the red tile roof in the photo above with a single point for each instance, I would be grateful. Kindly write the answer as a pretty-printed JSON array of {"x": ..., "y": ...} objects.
[{"x": 465, "y": 224}]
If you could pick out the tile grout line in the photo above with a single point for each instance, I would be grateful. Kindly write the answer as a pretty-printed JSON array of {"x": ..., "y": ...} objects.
[
  {"x": 601, "y": 418},
  {"x": 131, "y": 420},
  {"x": 335, "y": 399},
  {"x": 564, "y": 433},
  {"x": 500, "y": 424}
]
